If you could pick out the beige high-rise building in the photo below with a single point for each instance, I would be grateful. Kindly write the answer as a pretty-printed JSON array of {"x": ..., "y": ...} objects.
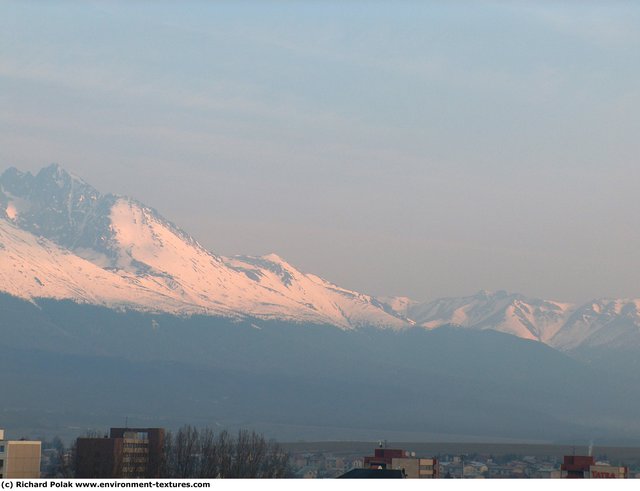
[{"x": 19, "y": 459}]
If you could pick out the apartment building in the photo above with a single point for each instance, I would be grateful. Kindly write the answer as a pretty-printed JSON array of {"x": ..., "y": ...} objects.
[
  {"x": 125, "y": 453},
  {"x": 19, "y": 459}
]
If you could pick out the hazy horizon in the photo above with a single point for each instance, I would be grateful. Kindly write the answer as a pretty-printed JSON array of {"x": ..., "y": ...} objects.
[{"x": 429, "y": 151}]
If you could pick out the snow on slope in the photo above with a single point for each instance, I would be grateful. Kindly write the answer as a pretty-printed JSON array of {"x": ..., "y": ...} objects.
[
  {"x": 310, "y": 291},
  {"x": 127, "y": 241},
  {"x": 604, "y": 322},
  {"x": 262, "y": 286},
  {"x": 501, "y": 311},
  {"x": 34, "y": 267}
]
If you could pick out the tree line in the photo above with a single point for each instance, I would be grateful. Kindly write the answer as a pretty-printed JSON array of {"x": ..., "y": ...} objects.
[{"x": 193, "y": 453}]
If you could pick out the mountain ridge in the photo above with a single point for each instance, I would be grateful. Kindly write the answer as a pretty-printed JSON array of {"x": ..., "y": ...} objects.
[
  {"x": 166, "y": 268},
  {"x": 62, "y": 238}
]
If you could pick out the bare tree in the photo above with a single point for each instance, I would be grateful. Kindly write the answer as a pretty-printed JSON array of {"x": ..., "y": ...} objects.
[
  {"x": 277, "y": 465},
  {"x": 224, "y": 444},
  {"x": 184, "y": 453},
  {"x": 250, "y": 452},
  {"x": 63, "y": 460},
  {"x": 193, "y": 453},
  {"x": 209, "y": 455}
]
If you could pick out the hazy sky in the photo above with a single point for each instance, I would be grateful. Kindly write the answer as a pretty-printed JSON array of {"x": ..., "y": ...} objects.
[{"x": 425, "y": 149}]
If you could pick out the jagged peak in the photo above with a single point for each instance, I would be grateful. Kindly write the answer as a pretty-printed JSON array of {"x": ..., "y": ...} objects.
[
  {"x": 56, "y": 172},
  {"x": 15, "y": 180},
  {"x": 12, "y": 172},
  {"x": 53, "y": 168}
]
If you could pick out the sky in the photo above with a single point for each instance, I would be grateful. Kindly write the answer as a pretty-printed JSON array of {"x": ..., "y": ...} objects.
[{"x": 425, "y": 149}]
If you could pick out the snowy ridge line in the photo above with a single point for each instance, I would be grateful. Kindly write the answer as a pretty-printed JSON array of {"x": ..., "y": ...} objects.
[
  {"x": 598, "y": 323},
  {"x": 60, "y": 238},
  {"x": 115, "y": 251}
]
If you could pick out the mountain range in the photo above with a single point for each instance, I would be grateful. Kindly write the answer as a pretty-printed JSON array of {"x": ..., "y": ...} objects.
[
  {"x": 61, "y": 238},
  {"x": 108, "y": 310}
]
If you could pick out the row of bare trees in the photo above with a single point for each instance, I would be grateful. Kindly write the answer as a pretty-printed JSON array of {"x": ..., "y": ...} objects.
[
  {"x": 197, "y": 453},
  {"x": 200, "y": 453}
]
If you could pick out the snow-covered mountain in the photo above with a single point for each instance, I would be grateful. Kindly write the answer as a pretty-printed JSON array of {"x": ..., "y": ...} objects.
[
  {"x": 561, "y": 325},
  {"x": 600, "y": 323},
  {"x": 501, "y": 311},
  {"x": 61, "y": 238}
]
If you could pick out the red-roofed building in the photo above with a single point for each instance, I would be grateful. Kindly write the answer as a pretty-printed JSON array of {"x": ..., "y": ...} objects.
[
  {"x": 397, "y": 459},
  {"x": 585, "y": 467}
]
